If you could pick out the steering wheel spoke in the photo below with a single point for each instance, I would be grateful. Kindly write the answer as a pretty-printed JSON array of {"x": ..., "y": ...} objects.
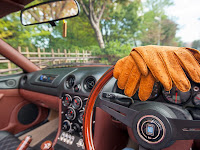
[
  {"x": 119, "y": 112},
  {"x": 185, "y": 129}
]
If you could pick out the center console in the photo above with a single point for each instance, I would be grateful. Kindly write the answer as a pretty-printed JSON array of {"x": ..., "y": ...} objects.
[{"x": 73, "y": 107}]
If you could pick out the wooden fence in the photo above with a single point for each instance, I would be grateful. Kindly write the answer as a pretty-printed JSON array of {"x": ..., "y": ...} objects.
[{"x": 42, "y": 58}]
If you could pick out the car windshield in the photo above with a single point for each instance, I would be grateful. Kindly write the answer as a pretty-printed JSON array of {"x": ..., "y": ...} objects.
[{"x": 103, "y": 33}]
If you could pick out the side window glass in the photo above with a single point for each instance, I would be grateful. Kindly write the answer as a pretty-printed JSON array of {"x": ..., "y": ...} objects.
[{"x": 7, "y": 67}]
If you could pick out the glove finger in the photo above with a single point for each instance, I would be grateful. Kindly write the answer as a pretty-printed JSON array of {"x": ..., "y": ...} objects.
[
  {"x": 195, "y": 53},
  {"x": 171, "y": 61},
  {"x": 146, "y": 86},
  {"x": 140, "y": 63},
  {"x": 133, "y": 81},
  {"x": 125, "y": 72},
  {"x": 118, "y": 67},
  {"x": 189, "y": 64},
  {"x": 155, "y": 65}
]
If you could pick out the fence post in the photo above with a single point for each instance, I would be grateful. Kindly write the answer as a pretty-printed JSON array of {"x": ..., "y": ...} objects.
[
  {"x": 76, "y": 56},
  {"x": 83, "y": 56},
  {"x": 52, "y": 55},
  {"x": 69, "y": 55},
  {"x": 39, "y": 56},
  {"x": 9, "y": 67},
  {"x": 58, "y": 56},
  {"x": 19, "y": 49},
  {"x": 44, "y": 55},
  {"x": 27, "y": 52},
  {"x": 65, "y": 51},
  {"x": 86, "y": 60}
]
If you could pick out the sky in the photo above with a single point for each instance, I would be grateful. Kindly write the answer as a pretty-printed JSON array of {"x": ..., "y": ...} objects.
[{"x": 186, "y": 13}]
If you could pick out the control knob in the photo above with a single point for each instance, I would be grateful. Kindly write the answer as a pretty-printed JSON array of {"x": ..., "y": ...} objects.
[
  {"x": 66, "y": 125},
  {"x": 76, "y": 127}
]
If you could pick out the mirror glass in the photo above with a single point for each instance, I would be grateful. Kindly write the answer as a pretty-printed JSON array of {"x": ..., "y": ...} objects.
[{"x": 49, "y": 11}]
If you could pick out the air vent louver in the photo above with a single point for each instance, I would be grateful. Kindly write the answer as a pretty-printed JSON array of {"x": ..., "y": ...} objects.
[
  {"x": 70, "y": 81},
  {"x": 89, "y": 83}
]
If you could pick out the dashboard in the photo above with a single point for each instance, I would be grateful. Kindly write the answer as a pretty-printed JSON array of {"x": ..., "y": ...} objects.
[{"x": 73, "y": 86}]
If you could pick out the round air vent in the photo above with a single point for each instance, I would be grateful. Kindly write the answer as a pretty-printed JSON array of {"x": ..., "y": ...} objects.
[
  {"x": 89, "y": 83},
  {"x": 70, "y": 81},
  {"x": 11, "y": 83}
]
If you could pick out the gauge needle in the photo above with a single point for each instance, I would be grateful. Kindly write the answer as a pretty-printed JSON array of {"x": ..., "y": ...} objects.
[
  {"x": 198, "y": 98},
  {"x": 176, "y": 97}
]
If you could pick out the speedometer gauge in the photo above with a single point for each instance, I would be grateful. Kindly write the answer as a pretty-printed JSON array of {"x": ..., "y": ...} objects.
[
  {"x": 176, "y": 96},
  {"x": 197, "y": 99}
]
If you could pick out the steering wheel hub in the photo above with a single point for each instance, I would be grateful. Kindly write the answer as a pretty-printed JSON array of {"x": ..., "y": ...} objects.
[{"x": 151, "y": 129}]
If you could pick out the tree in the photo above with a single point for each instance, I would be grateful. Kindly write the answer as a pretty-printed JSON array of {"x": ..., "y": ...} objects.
[
  {"x": 156, "y": 27},
  {"x": 122, "y": 23},
  {"x": 169, "y": 28},
  {"x": 94, "y": 15},
  {"x": 196, "y": 44}
]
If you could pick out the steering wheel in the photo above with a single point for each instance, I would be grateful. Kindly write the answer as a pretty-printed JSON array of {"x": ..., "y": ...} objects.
[{"x": 154, "y": 125}]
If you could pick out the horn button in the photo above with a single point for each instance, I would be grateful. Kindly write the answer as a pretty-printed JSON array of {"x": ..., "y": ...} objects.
[{"x": 152, "y": 130}]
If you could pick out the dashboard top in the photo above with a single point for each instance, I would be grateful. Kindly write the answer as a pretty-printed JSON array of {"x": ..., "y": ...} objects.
[{"x": 63, "y": 80}]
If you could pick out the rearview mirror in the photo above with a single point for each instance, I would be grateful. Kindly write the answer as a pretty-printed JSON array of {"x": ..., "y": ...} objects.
[{"x": 50, "y": 12}]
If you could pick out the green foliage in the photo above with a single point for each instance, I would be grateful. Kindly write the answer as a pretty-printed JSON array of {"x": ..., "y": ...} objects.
[
  {"x": 122, "y": 22},
  {"x": 196, "y": 44},
  {"x": 125, "y": 24},
  {"x": 13, "y": 32},
  {"x": 156, "y": 26}
]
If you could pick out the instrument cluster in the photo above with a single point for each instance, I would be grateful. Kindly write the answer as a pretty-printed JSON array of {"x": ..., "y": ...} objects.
[
  {"x": 174, "y": 96},
  {"x": 72, "y": 113}
]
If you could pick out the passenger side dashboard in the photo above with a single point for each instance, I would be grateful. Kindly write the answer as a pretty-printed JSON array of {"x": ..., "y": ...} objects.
[
  {"x": 60, "y": 80},
  {"x": 72, "y": 86}
]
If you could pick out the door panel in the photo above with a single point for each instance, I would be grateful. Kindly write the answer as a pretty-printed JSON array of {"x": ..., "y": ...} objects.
[{"x": 17, "y": 114}]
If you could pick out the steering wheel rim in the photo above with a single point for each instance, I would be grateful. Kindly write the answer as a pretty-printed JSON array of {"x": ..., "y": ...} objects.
[{"x": 87, "y": 124}]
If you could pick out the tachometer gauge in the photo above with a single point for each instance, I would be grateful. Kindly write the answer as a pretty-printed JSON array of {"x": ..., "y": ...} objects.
[
  {"x": 176, "y": 96},
  {"x": 70, "y": 114},
  {"x": 77, "y": 102},
  {"x": 196, "y": 99},
  {"x": 67, "y": 100},
  {"x": 156, "y": 90}
]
